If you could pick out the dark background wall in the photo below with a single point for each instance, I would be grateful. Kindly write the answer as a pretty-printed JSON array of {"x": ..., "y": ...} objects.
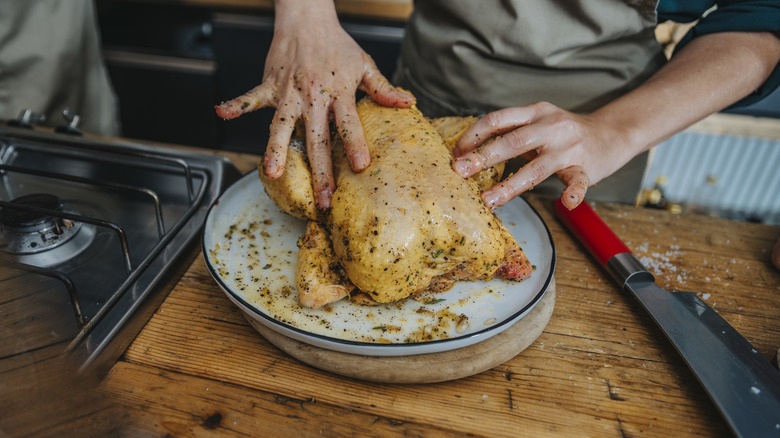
[{"x": 170, "y": 64}]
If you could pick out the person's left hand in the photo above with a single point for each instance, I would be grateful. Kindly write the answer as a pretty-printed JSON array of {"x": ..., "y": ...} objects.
[
  {"x": 312, "y": 71},
  {"x": 575, "y": 147}
]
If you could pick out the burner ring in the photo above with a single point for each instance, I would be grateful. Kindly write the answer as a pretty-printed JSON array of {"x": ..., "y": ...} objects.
[
  {"x": 20, "y": 219},
  {"x": 31, "y": 225}
]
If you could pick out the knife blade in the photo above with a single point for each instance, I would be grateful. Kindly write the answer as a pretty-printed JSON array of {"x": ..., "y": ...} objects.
[{"x": 742, "y": 384}]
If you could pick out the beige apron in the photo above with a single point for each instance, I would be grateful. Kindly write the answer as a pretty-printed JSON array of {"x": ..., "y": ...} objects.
[
  {"x": 468, "y": 57},
  {"x": 50, "y": 60}
]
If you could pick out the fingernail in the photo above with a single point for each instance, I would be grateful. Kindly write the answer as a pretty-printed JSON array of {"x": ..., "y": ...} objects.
[
  {"x": 272, "y": 170},
  {"x": 491, "y": 200},
  {"x": 361, "y": 162},
  {"x": 462, "y": 166},
  {"x": 574, "y": 201},
  {"x": 323, "y": 199}
]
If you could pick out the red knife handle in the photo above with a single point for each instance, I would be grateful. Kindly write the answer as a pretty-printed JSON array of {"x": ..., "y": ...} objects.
[
  {"x": 591, "y": 231},
  {"x": 610, "y": 252}
]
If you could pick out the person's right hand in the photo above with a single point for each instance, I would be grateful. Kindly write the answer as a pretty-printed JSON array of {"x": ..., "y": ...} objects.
[
  {"x": 312, "y": 72},
  {"x": 578, "y": 148}
]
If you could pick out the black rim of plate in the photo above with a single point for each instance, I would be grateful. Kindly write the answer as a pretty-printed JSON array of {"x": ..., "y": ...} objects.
[{"x": 373, "y": 345}]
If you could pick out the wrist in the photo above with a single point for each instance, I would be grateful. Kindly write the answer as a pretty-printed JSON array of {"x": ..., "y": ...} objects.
[
  {"x": 623, "y": 134},
  {"x": 296, "y": 14}
]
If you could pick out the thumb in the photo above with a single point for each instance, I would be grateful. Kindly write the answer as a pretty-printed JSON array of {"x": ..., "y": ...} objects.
[
  {"x": 380, "y": 89},
  {"x": 576, "y": 181}
]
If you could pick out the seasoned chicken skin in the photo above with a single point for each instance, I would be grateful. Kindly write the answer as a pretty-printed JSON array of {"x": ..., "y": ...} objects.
[
  {"x": 450, "y": 129},
  {"x": 405, "y": 224},
  {"x": 317, "y": 273},
  {"x": 292, "y": 192},
  {"x": 407, "y": 217}
]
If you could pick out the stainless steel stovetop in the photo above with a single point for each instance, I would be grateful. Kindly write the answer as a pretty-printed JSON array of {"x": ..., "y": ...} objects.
[{"x": 90, "y": 231}]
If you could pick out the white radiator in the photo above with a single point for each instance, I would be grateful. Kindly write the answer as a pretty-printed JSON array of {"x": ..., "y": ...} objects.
[{"x": 731, "y": 176}]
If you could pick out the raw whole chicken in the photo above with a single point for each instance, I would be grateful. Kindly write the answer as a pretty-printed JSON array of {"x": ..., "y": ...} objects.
[{"x": 404, "y": 226}]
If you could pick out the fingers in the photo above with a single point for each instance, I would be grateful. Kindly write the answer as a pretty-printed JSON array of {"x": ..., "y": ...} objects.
[
  {"x": 531, "y": 175},
  {"x": 318, "y": 142},
  {"x": 525, "y": 179},
  {"x": 380, "y": 89},
  {"x": 318, "y": 150},
  {"x": 553, "y": 140},
  {"x": 513, "y": 144},
  {"x": 520, "y": 130},
  {"x": 281, "y": 131},
  {"x": 256, "y": 98},
  {"x": 497, "y": 123},
  {"x": 351, "y": 132},
  {"x": 577, "y": 182}
]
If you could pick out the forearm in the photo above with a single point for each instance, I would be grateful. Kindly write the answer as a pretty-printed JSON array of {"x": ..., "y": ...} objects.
[
  {"x": 708, "y": 75},
  {"x": 292, "y": 14}
]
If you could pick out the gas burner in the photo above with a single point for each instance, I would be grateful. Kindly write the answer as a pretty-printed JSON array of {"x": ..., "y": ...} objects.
[
  {"x": 33, "y": 229},
  {"x": 115, "y": 256}
]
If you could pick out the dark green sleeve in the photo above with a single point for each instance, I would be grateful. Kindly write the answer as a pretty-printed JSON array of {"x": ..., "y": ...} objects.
[{"x": 730, "y": 16}]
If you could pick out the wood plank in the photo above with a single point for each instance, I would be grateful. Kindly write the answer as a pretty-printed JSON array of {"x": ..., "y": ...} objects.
[
  {"x": 163, "y": 402},
  {"x": 543, "y": 386},
  {"x": 36, "y": 309},
  {"x": 42, "y": 395}
]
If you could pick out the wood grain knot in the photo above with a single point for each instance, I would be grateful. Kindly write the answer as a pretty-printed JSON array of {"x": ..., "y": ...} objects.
[{"x": 212, "y": 421}]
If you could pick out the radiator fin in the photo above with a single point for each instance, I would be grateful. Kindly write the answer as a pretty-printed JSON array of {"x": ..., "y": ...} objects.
[{"x": 731, "y": 176}]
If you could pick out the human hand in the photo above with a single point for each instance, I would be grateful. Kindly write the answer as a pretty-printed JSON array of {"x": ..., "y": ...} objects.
[
  {"x": 708, "y": 74},
  {"x": 312, "y": 71},
  {"x": 577, "y": 148}
]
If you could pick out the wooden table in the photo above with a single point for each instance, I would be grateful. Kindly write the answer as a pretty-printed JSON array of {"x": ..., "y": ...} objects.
[{"x": 600, "y": 368}]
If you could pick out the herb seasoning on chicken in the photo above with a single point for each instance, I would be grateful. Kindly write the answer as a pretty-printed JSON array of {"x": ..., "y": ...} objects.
[{"x": 405, "y": 225}]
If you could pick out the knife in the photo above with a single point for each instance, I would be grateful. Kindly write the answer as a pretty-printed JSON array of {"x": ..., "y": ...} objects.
[{"x": 743, "y": 385}]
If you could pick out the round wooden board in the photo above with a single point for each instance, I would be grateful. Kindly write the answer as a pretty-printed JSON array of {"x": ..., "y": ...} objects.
[{"x": 423, "y": 368}]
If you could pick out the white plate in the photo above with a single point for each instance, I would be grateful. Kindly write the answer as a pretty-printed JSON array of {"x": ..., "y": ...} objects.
[{"x": 250, "y": 249}]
